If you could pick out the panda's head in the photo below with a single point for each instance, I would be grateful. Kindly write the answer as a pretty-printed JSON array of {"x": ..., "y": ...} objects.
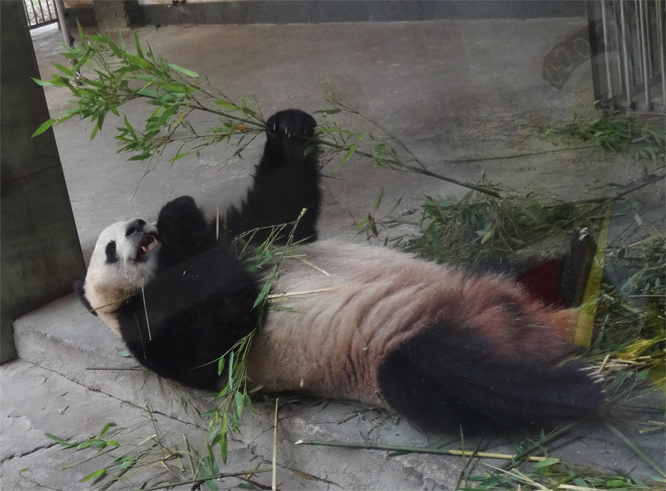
[{"x": 125, "y": 258}]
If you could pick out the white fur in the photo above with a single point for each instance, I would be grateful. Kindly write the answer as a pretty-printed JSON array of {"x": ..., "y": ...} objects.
[
  {"x": 108, "y": 284},
  {"x": 331, "y": 343}
]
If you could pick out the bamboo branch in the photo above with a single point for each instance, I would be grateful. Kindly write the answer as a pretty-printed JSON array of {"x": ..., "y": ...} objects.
[
  {"x": 436, "y": 451},
  {"x": 239, "y": 475}
]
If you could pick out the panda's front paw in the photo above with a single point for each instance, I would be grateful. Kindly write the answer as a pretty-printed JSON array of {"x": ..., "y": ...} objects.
[
  {"x": 179, "y": 207},
  {"x": 177, "y": 214},
  {"x": 289, "y": 124}
]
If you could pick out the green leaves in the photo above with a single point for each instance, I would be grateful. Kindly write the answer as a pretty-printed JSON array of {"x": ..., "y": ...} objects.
[
  {"x": 99, "y": 473},
  {"x": 641, "y": 140},
  {"x": 45, "y": 126},
  {"x": 185, "y": 71},
  {"x": 351, "y": 151},
  {"x": 106, "y": 76}
]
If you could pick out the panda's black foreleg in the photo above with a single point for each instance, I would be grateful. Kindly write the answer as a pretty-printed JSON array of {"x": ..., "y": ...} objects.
[
  {"x": 182, "y": 232},
  {"x": 286, "y": 181},
  {"x": 445, "y": 378}
]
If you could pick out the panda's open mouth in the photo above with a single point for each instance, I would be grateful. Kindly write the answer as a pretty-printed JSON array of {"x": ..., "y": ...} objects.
[{"x": 148, "y": 241}]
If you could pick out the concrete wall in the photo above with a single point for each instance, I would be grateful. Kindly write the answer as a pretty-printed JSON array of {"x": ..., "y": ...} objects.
[
  {"x": 40, "y": 255},
  {"x": 168, "y": 12}
]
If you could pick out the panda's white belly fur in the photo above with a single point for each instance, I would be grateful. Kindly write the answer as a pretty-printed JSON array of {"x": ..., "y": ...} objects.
[{"x": 331, "y": 343}]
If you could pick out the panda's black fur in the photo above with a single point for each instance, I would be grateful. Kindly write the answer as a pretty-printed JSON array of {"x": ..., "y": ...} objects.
[{"x": 439, "y": 345}]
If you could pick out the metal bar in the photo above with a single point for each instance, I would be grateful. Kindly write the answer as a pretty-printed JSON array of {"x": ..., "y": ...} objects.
[
  {"x": 643, "y": 44},
  {"x": 593, "y": 21},
  {"x": 648, "y": 37},
  {"x": 52, "y": 9},
  {"x": 607, "y": 59},
  {"x": 62, "y": 20},
  {"x": 625, "y": 53},
  {"x": 616, "y": 31},
  {"x": 637, "y": 51},
  {"x": 32, "y": 19},
  {"x": 25, "y": 9},
  {"x": 661, "y": 19},
  {"x": 41, "y": 12},
  {"x": 46, "y": 10}
]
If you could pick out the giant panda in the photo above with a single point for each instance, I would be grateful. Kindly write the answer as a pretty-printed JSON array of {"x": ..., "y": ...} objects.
[{"x": 440, "y": 345}]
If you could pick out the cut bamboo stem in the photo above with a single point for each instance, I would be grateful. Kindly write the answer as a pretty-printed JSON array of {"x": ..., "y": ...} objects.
[{"x": 437, "y": 451}]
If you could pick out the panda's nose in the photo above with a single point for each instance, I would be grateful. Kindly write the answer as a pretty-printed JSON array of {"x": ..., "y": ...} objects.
[{"x": 134, "y": 226}]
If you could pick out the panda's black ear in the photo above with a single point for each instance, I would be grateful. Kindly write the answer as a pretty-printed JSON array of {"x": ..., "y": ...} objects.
[{"x": 80, "y": 289}]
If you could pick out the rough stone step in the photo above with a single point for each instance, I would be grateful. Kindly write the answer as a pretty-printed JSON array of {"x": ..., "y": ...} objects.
[{"x": 31, "y": 460}]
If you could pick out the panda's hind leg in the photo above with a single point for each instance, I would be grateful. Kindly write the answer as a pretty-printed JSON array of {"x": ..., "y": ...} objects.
[{"x": 445, "y": 378}]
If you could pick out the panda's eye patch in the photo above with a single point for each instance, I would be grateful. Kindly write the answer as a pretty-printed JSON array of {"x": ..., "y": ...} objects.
[{"x": 111, "y": 254}]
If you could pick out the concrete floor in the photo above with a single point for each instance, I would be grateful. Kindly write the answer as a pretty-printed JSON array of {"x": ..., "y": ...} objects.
[{"x": 449, "y": 89}]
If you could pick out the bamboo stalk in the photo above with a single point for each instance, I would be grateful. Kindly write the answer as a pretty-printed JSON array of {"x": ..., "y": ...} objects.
[
  {"x": 437, "y": 451},
  {"x": 275, "y": 425},
  {"x": 637, "y": 450},
  {"x": 201, "y": 481},
  {"x": 305, "y": 292}
]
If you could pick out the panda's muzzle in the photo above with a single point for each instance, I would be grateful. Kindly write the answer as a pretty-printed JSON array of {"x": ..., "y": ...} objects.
[
  {"x": 137, "y": 228},
  {"x": 147, "y": 242}
]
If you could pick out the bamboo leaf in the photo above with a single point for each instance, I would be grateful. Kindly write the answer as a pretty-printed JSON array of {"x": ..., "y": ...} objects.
[
  {"x": 147, "y": 92},
  {"x": 187, "y": 72},
  {"x": 163, "y": 100},
  {"x": 546, "y": 463},
  {"x": 63, "y": 69},
  {"x": 43, "y": 83},
  {"x": 98, "y": 473},
  {"x": 147, "y": 78},
  {"x": 378, "y": 199},
  {"x": 94, "y": 131},
  {"x": 138, "y": 46},
  {"x": 227, "y": 105},
  {"x": 348, "y": 155},
  {"x": 56, "y": 438},
  {"x": 308, "y": 149},
  {"x": 80, "y": 29},
  {"x": 136, "y": 60},
  {"x": 82, "y": 60},
  {"x": 44, "y": 126},
  {"x": 238, "y": 396},
  {"x": 179, "y": 155},
  {"x": 231, "y": 369},
  {"x": 262, "y": 294},
  {"x": 106, "y": 428}
]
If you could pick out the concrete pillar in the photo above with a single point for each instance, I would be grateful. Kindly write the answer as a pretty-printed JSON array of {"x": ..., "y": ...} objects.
[
  {"x": 40, "y": 254},
  {"x": 111, "y": 16}
]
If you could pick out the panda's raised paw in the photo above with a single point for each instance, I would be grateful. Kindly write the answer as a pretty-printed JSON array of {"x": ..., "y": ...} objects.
[
  {"x": 178, "y": 212},
  {"x": 290, "y": 123}
]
